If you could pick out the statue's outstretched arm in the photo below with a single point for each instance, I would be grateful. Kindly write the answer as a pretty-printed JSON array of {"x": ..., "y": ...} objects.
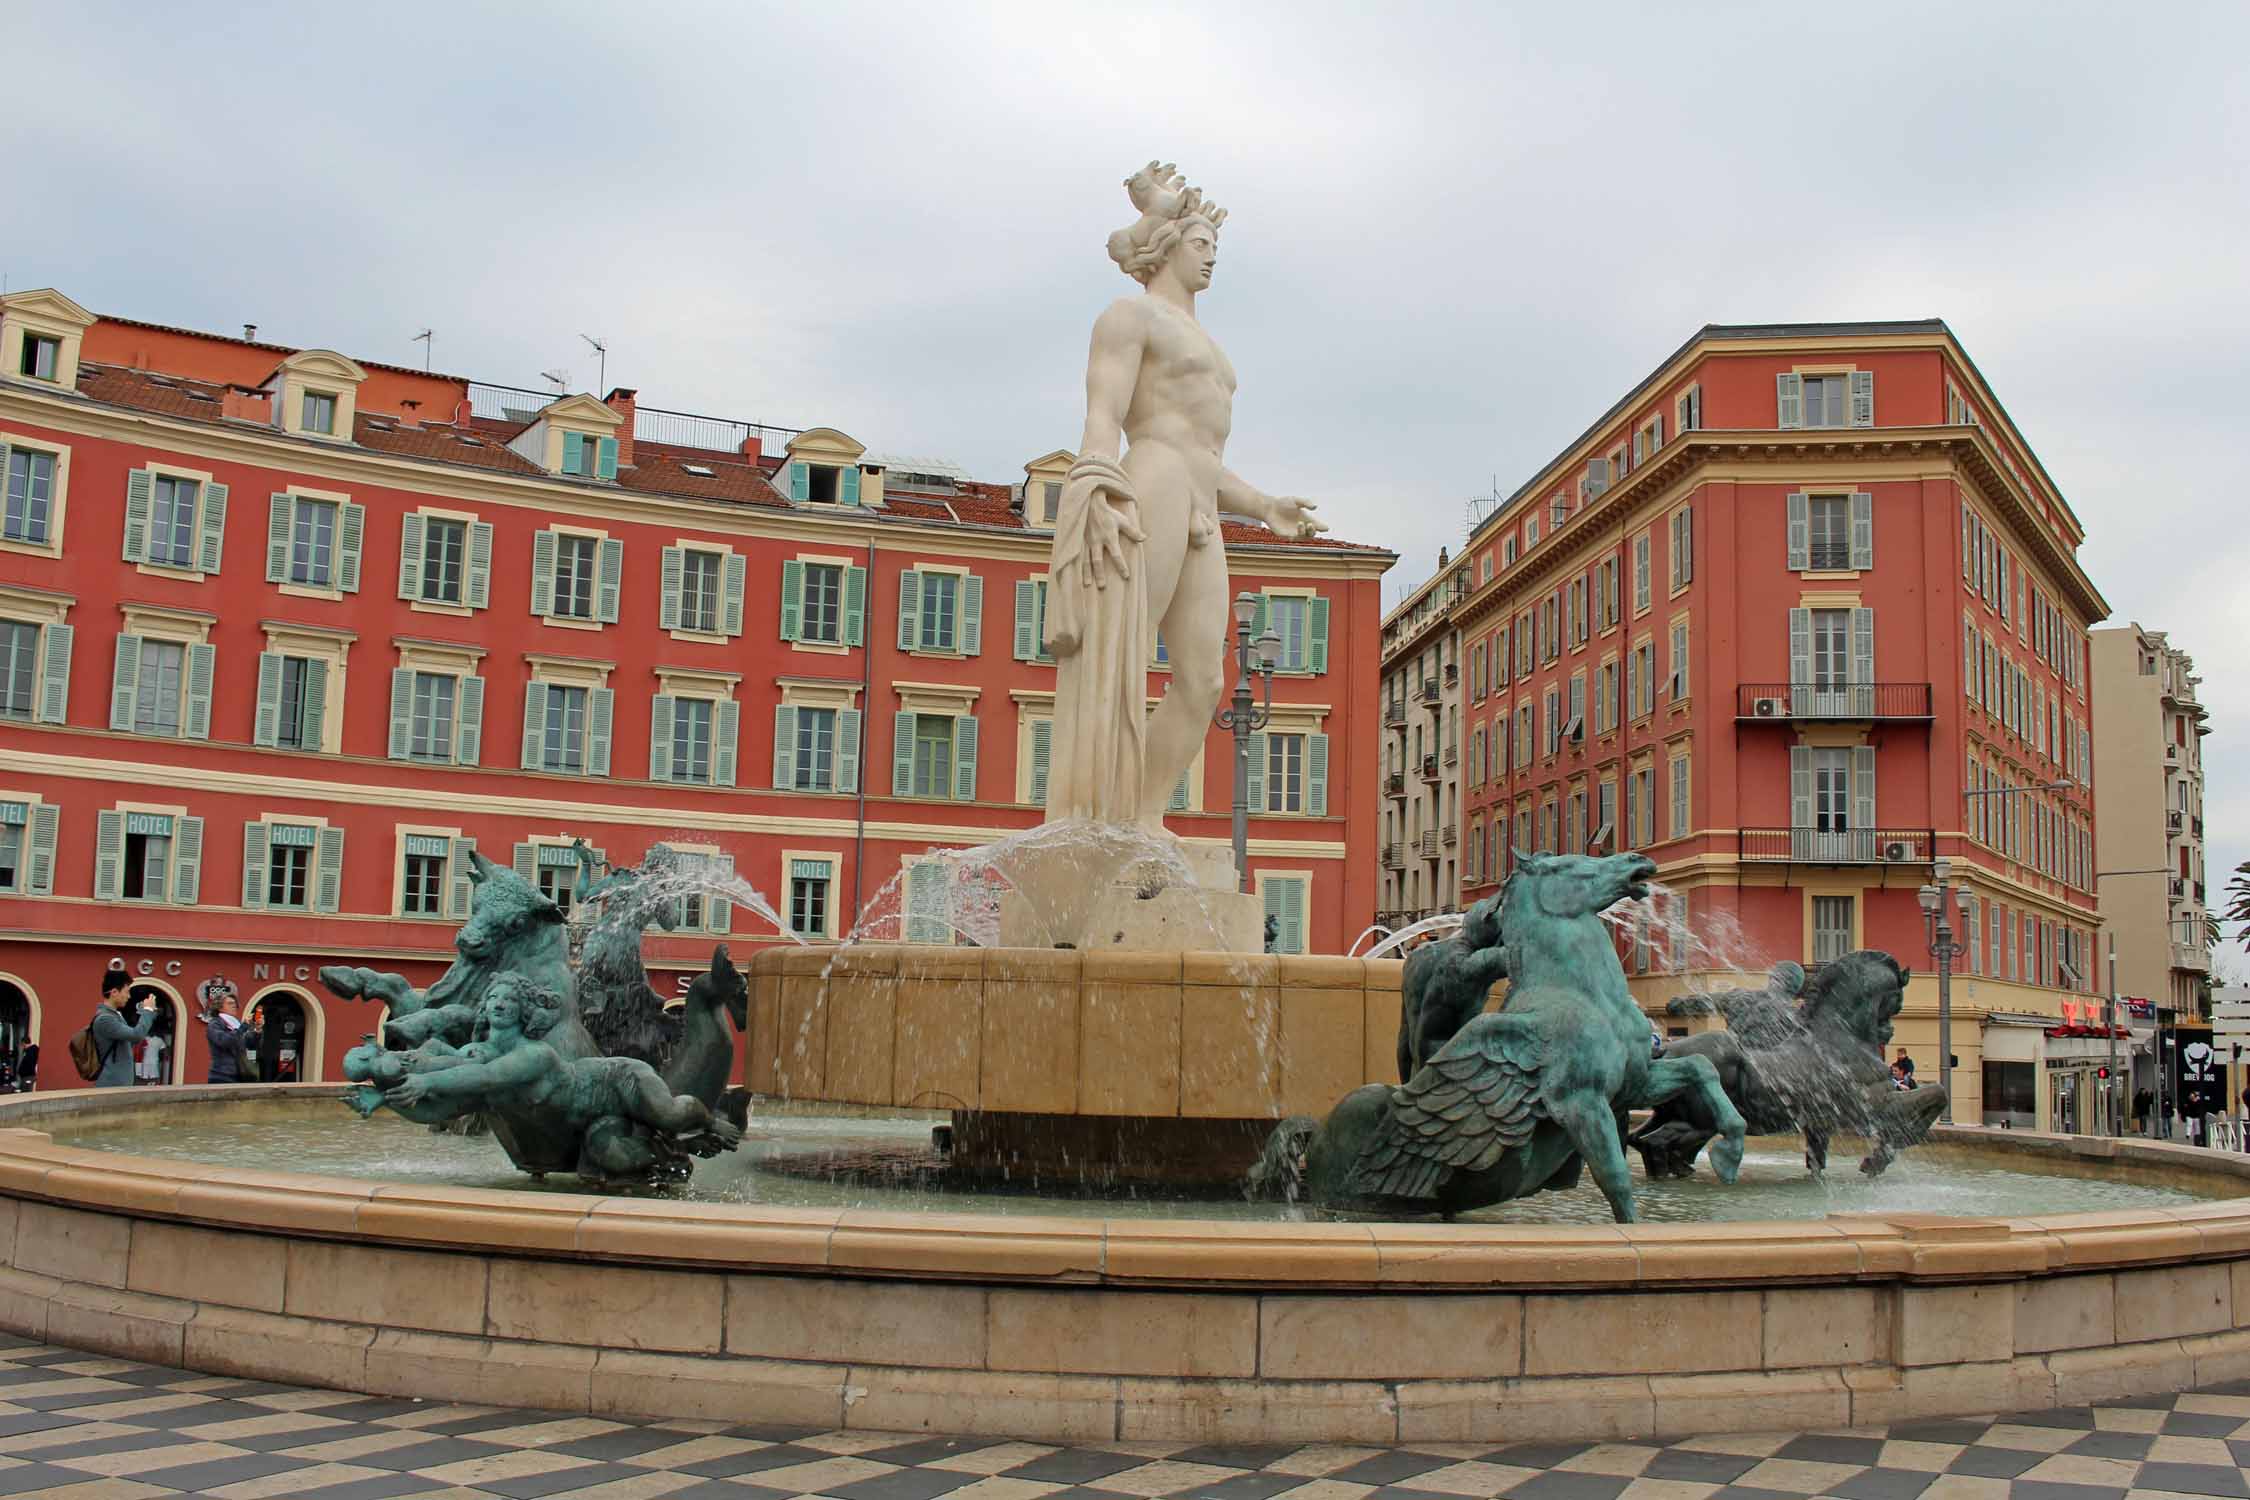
[
  {"x": 463, "y": 1082},
  {"x": 1487, "y": 966},
  {"x": 1287, "y": 514}
]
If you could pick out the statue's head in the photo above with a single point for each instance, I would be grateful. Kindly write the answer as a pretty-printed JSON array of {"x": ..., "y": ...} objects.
[
  {"x": 1861, "y": 992},
  {"x": 661, "y": 859},
  {"x": 505, "y": 911},
  {"x": 1480, "y": 925},
  {"x": 517, "y": 1000},
  {"x": 1177, "y": 233},
  {"x": 1563, "y": 886}
]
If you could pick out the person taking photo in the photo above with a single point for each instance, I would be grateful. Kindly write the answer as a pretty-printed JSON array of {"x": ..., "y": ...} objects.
[{"x": 114, "y": 1036}]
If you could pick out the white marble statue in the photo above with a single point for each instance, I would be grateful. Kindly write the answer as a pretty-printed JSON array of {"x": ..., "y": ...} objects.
[{"x": 1137, "y": 536}]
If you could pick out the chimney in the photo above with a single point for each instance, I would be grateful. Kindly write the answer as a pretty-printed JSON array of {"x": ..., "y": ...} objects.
[
  {"x": 1441, "y": 557},
  {"x": 621, "y": 400},
  {"x": 246, "y": 406},
  {"x": 408, "y": 408},
  {"x": 249, "y": 333}
]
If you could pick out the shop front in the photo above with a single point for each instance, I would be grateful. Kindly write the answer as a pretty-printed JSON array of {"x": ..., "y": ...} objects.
[{"x": 2039, "y": 1075}]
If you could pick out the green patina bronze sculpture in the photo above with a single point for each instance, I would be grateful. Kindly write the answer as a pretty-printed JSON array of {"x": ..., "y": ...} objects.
[
  {"x": 1802, "y": 1055},
  {"x": 623, "y": 1014},
  {"x": 499, "y": 1038},
  {"x": 1445, "y": 984},
  {"x": 1522, "y": 1099}
]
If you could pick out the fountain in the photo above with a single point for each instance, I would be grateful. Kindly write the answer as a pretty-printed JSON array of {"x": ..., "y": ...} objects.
[{"x": 993, "y": 1184}]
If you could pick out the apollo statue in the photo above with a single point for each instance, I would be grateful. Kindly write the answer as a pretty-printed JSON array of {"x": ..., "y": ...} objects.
[{"x": 1137, "y": 541}]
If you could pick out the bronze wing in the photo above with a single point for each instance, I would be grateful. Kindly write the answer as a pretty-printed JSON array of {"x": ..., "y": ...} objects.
[{"x": 1476, "y": 1097}]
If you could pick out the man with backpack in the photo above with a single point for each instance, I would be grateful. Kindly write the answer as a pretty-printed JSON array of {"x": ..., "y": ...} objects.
[{"x": 103, "y": 1051}]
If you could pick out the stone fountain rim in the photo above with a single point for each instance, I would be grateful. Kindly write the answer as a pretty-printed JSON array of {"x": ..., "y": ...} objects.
[{"x": 1028, "y": 1250}]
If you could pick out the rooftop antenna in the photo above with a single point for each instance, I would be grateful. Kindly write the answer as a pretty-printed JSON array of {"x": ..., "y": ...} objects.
[
  {"x": 423, "y": 338},
  {"x": 601, "y": 354},
  {"x": 559, "y": 378}
]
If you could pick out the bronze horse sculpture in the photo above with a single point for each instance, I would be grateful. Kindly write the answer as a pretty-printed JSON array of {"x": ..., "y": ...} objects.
[{"x": 1524, "y": 1098}]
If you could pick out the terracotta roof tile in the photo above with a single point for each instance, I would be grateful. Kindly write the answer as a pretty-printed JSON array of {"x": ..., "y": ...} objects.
[
  {"x": 198, "y": 400},
  {"x": 442, "y": 442},
  {"x": 659, "y": 469},
  {"x": 913, "y": 508}
]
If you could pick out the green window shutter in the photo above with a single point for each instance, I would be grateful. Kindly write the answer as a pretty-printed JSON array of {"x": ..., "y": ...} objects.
[
  {"x": 718, "y": 912},
  {"x": 463, "y": 889},
  {"x": 1863, "y": 788},
  {"x": 351, "y": 531},
  {"x": 1800, "y": 532},
  {"x": 902, "y": 754},
  {"x": 605, "y": 459},
  {"x": 738, "y": 573},
  {"x": 281, "y": 519},
  {"x": 1292, "y": 936},
  {"x": 525, "y": 859},
  {"x": 965, "y": 758},
  {"x": 469, "y": 741},
  {"x": 726, "y": 734},
  {"x": 54, "y": 673},
  {"x": 660, "y": 737},
  {"x": 909, "y": 609},
  {"x": 329, "y": 887},
  {"x": 125, "y": 682},
  {"x": 196, "y": 723},
  {"x": 1042, "y": 758},
  {"x": 140, "y": 498},
  {"x": 402, "y": 711},
  {"x": 1789, "y": 400},
  {"x": 668, "y": 602},
  {"x": 543, "y": 573},
  {"x": 316, "y": 703},
  {"x": 1800, "y": 786},
  {"x": 1257, "y": 778},
  {"x": 1259, "y": 619},
  {"x": 410, "y": 556},
  {"x": 187, "y": 861},
  {"x": 109, "y": 854},
  {"x": 1863, "y": 647},
  {"x": 601, "y": 709},
  {"x": 213, "y": 515},
  {"x": 534, "y": 722},
  {"x": 254, "y": 865},
  {"x": 800, "y": 481},
  {"x": 1027, "y": 619},
  {"x": 1863, "y": 530},
  {"x": 848, "y": 485},
  {"x": 1271, "y": 898},
  {"x": 847, "y": 750},
  {"x": 573, "y": 452},
  {"x": 266, "y": 728},
  {"x": 1863, "y": 398},
  {"x": 1317, "y": 652},
  {"x": 784, "y": 747},
  {"x": 971, "y": 634},
  {"x": 1316, "y": 775},
  {"x": 39, "y": 860},
  {"x": 792, "y": 599},
  {"x": 1179, "y": 801},
  {"x": 855, "y": 606},
  {"x": 1800, "y": 649},
  {"x": 612, "y": 582},
  {"x": 480, "y": 564}
]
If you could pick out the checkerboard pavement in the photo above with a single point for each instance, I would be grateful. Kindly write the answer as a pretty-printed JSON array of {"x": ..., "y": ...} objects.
[{"x": 92, "y": 1428}]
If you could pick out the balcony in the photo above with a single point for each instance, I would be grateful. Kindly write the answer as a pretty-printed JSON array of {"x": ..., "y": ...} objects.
[
  {"x": 1427, "y": 844},
  {"x": 1394, "y": 784},
  {"x": 2190, "y": 956},
  {"x": 1429, "y": 768},
  {"x": 1837, "y": 846},
  {"x": 1788, "y": 701},
  {"x": 1432, "y": 694},
  {"x": 2172, "y": 755},
  {"x": 2174, "y": 821},
  {"x": 1394, "y": 714},
  {"x": 1450, "y": 836},
  {"x": 2195, "y": 826},
  {"x": 1394, "y": 856},
  {"x": 2176, "y": 887},
  {"x": 1452, "y": 674},
  {"x": 1452, "y": 755}
]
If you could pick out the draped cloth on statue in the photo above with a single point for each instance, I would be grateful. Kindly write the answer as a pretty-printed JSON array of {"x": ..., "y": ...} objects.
[{"x": 1097, "y": 630}]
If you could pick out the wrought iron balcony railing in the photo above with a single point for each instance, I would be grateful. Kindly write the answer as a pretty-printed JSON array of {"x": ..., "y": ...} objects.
[
  {"x": 1838, "y": 846},
  {"x": 1394, "y": 784},
  {"x": 1787, "y": 701}
]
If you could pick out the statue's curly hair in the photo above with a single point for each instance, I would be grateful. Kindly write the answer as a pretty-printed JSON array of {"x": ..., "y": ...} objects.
[
  {"x": 542, "y": 1007},
  {"x": 1168, "y": 205}
]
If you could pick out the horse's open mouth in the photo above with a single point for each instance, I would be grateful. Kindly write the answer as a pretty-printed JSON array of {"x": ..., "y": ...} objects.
[{"x": 1637, "y": 891}]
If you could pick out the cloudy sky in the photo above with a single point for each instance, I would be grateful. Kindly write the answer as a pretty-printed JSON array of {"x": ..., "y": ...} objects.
[{"x": 1457, "y": 233}]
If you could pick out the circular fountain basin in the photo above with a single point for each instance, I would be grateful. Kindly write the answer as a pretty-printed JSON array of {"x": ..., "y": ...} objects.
[{"x": 1102, "y": 1324}]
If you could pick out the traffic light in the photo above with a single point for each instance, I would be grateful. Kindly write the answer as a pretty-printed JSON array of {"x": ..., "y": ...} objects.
[{"x": 2102, "y": 1073}]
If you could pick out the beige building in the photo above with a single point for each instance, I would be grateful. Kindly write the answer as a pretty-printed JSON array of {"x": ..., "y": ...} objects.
[
  {"x": 1420, "y": 823},
  {"x": 2148, "y": 762}
]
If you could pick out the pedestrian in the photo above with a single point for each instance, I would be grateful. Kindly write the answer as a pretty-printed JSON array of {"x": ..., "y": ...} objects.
[
  {"x": 2142, "y": 1099},
  {"x": 230, "y": 1039},
  {"x": 27, "y": 1069},
  {"x": 150, "y": 1069},
  {"x": 114, "y": 1036},
  {"x": 1905, "y": 1067}
]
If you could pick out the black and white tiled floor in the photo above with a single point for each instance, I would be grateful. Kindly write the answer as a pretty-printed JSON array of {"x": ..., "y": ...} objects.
[{"x": 93, "y": 1428}]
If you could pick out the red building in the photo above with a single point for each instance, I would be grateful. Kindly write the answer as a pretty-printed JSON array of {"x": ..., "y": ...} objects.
[
  {"x": 285, "y": 635},
  {"x": 1797, "y": 616}
]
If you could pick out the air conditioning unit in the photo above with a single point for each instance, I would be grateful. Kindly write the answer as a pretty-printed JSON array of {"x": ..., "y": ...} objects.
[
  {"x": 1901, "y": 851},
  {"x": 1770, "y": 708}
]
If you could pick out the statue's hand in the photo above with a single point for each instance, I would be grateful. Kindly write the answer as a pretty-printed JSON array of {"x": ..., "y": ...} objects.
[
  {"x": 408, "y": 1091},
  {"x": 1292, "y": 515},
  {"x": 1110, "y": 525}
]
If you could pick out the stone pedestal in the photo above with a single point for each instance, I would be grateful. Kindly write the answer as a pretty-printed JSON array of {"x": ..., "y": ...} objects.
[{"x": 1083, "y": 899}]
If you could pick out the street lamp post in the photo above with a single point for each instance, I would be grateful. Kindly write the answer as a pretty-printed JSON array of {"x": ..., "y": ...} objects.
[
  {"x": 1246, "y": 717},
  {"x": 1937, "y": 900}
]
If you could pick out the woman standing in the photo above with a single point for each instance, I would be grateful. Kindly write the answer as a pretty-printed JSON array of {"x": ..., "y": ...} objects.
[{"x": 230, "y": 1039}]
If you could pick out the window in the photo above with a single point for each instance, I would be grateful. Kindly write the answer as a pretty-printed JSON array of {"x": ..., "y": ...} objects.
[
  {"x": 289, "y": 865},
  {"x": 1683, "y": 547},
  {"x": 319, "y": 412},
  {"x": 29, "y": 511},
  {"x": 691, "y": 740},
  {"x": 1642, "y": 672},
  {"x": 1824, "y": 400},
  {"x": 1680, "y": 820},
  {"x": 423, "y": 892},
  {"x": 444, "y": 544},
  {"x": 1679, "y": 660},
  {"x": 1832, "y": 928},
  {"x": 576, "y": 562},
  {"x": 815, "y": 758},
  {"x": 933, "y": 769},
  {"x": 158, "y": 688},
  {"x": 822, "y": 617},
  {"x": 558, "y": 875},
  {"x": 312, "y": 543},
  {"x": 699, "y": 591},
  {"x": 1285, "y": 899},
  {"x": 940, "y": 597},
  {"x": 148, "y": 856},
  {"x": 563, "y": 730},
  {"x": 808, "y": 896},
  {"x": 1830, "y": 538},
  {"x": 41, "y": 356},
  {"x": 1290, "y": 617},
  {"x": 292, "y": 720},
  {"x": 14, "y": 816},
  {"x": 1689, "y": 409},
  {"x": 1640, "y": 572},
  {"x": 171, "y": 528},
  {"x": 1831, "y": 648},
  {"x": 1285, "y": 773},
  {"x": 579, "y": 455},
  {"x": 430, "y": 736},
  {"x": 19, "y": 668}
]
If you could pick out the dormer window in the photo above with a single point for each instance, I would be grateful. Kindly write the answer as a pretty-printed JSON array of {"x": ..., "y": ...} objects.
[
  {"x": 827, "y": 467},
  {"x": 587, "y": 457},
  {"x": 40, "y": 335},
  {"x": 42, "y": 356},
  {"x": 315, "y": 392},
  {"x": 820, "y": 484},
  {"x": 319, "y": 413}
]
